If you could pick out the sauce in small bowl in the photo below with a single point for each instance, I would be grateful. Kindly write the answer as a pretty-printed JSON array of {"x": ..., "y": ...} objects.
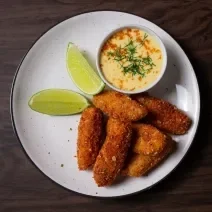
[{"x": 131, "y": 59}]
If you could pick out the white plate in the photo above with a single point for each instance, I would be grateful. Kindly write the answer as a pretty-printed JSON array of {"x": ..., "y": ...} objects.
[{"x": 49, "y": 142}]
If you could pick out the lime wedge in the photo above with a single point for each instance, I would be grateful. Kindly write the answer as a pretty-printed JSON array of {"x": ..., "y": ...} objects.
[
  {"x": 84, "y": 77},
  {"x": 58, "y": 102}
]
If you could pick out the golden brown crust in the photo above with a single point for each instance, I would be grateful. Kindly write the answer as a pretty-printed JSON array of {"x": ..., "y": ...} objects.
[
  {"x": 113, "y": 153},
  {"x": 89, "y": 137},
  {"x": 139, "y": 164},
  {"x": 148, "y": 140},
  {"x": 164, "y": 115},
  {"x": 119, "y": 106}
]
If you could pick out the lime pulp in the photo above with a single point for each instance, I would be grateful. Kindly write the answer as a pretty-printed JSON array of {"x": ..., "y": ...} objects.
[
  {"x": 58, "y": 102},
  {"x": 82, "y": 74}
]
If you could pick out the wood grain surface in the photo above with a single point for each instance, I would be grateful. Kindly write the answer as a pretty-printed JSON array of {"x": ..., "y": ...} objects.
[{"x": 24, "y": 188}]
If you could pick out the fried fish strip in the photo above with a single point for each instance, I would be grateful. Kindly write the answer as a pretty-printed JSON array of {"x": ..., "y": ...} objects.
[
  {"x": 148, "y": 140},
  {"x": 90, "y": 131},
  {"x": 139, "y": 164},
  {"x": 113, "y": 153},
  {"x": 164, "y": 115},
  {"x": 120, "y": 106}
]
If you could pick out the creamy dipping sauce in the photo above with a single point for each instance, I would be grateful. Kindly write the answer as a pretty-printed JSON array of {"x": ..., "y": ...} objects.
[{"x": 131, "y": 59}]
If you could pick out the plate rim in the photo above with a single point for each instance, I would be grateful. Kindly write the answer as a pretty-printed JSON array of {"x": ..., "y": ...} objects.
[{"x": 18, "y": 138}]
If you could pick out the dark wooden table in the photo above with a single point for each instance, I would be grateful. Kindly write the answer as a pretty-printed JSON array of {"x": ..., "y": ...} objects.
[{"x": 24, "y": 188}]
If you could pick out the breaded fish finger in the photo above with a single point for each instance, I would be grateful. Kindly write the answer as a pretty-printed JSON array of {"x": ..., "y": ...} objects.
[
  {"x": 164, "y": 115},
  {"x": 120, "y": 106},
  {"x": 148, "y": 140},
  {"x": 113, "y": 153},
  {"x": 89, "y": 137},
  {"x": 139, "y": 164}
]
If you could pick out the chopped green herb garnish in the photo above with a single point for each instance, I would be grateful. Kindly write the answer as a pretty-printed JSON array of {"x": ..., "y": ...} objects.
[
  {"x": 110, "y": 54},
  {"x": 129, "y": 61},
  {"x": 144, "y": 38}
]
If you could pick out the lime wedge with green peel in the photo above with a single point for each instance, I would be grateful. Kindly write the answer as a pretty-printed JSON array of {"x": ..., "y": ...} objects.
[
  {"x": 82, "y": 74},
  {"x": 58, "y": 102}
]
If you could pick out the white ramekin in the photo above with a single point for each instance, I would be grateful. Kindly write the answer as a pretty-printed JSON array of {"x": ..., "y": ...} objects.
[{"x": 162, "y": 47}]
